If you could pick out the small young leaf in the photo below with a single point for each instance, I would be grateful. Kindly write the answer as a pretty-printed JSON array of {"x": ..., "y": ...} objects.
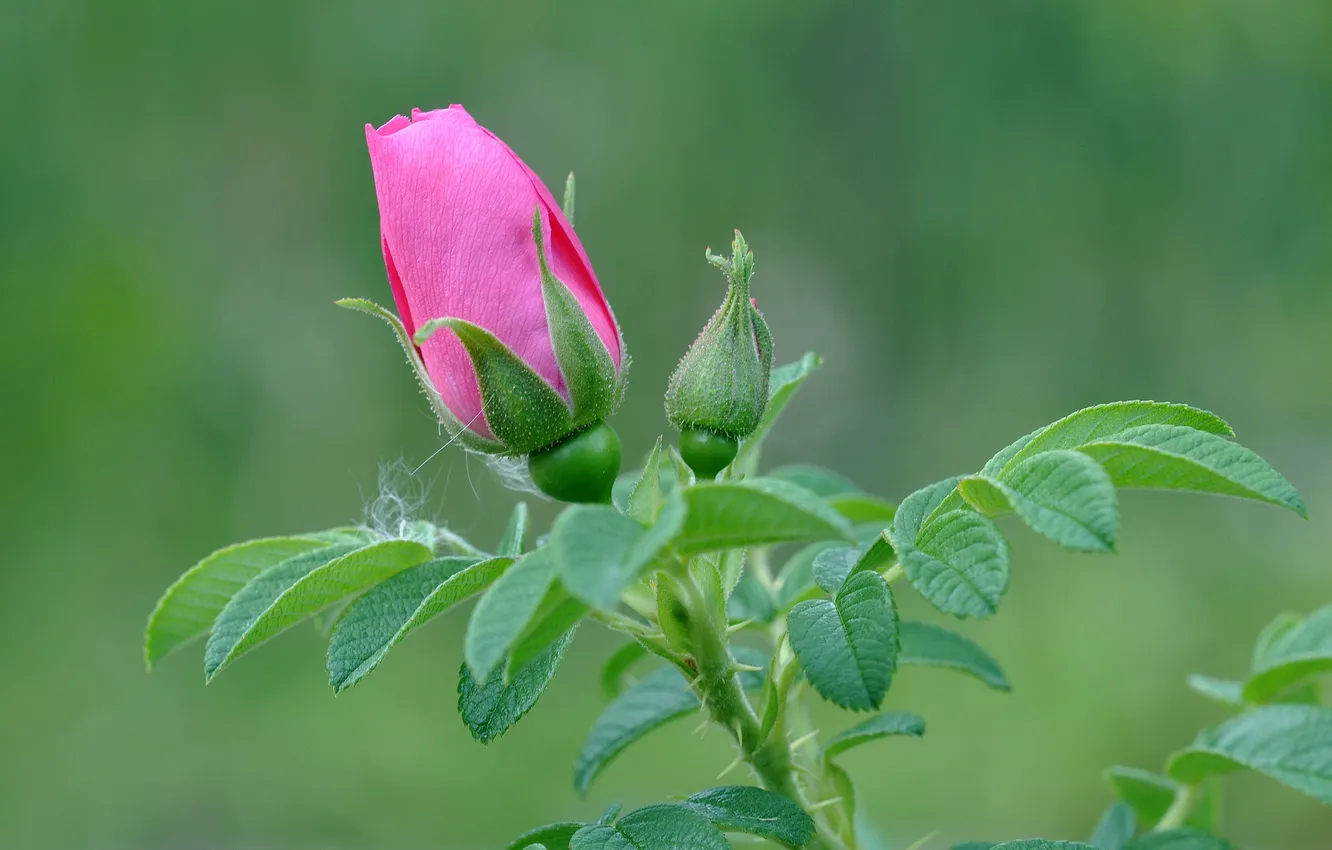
[
  {"x": 1179, "y": 839},
  {"x": 1268, "y": 645},
  {"x": 624, "y": 658},
  {"x": 612, "y": 812},
  {"x": 1149, "y": 794},
  {"x": 511, "y": 545},
  {"x": 647, "y": 496},
  {"x": 1115, "y": 828},
  {"x": 751, "y": 600},
  {"x": 504, "y": 612},
  {"x": 598, "y": 551},
  {"x": 832, "y": 566},
  {"x": 555, "y": 836},
  {"x": 817, "y": 480},
  {"x": 848, "y": 646},
  {"x": 1289, "y": 743},
  {"x": 1221, "y": 690},
  {"x": 932, "y": 646},
  {"x": 836, "y": 783},
  {"x": 755, "y": 512},
  {"x": 557, "y": 614},
  {"x": 377, "y": 621},
  {"x": 797, "y": 574},
  {"x": 958, "y": 562},
  {"x": 1177, "y": 458},
  {"x": 1301, "y": 650},
  {"x": 782, "y": 385},
  {"x": 656, "y": 827},
  {"x": 282, "y": 596},
  {"x": 491, "y": 709},
  {"x": 879, "y": 726},
  {"x": 742, "y": 808},
  {"x": 1063, "y": 495},
  {"x": 190, "y": 605}
]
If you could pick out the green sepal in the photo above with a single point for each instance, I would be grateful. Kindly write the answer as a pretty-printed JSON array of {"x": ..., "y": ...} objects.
[
  {"x": 721, "y": 384},
  {"x": 584, "y": 361},
  {"x": 523, "y": 411},
  {"x": 457, "y": 431}
]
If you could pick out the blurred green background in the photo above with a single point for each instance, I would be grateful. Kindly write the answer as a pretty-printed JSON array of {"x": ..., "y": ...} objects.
[{"x": 984, "y": 214}]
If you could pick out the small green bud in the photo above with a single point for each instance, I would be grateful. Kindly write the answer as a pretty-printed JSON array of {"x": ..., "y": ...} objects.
[
  {"x": 581, "y": 468},
  {"x": 721, "y": 384},
  {"x": 707, "y": 453}
]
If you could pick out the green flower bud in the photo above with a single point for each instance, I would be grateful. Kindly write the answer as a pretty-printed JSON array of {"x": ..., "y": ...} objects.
[
  {"x": 721, "y": 385},
  {"x": 581, "y": 468}
]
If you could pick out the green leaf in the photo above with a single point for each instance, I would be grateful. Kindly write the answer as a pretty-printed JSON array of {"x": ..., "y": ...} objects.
[
  {"x": 1149, "y": 794},
  {"x": 193, "y": 602},
  {"x": 1300, "y": 650},
  {"x": 456, "y": 429},
  {"x": 656, "y": 827},
  {"x": 797, "y": 574},
  {"x": 282, "y": 596},
  {"x": 918, "y": 507},
  {"x": 742, "y": 808},
  {"x": 620, "y": 662},
  {"x": 511, "y": 544},
  {"x": 755, "y": 512},
  {"x": 523, "y": 411},
  {"x": 567, "y": 205},
  {"x": 831, "y": 567},
  {"x": 782, "y": 386},
  {"x": 878, "y": 726},
  {"x": 848, "y": 646},
  {"x": 555, "y": 836},
  {"x": 647, "y": 496},
  {"x": 1115, "y": 828},
  {"x": 1267, "y": 647},
  {"x": 1179, "y": 839},
  {"x": 958, "y": 562},
  {"x": 932, "y": 646},
  {"x": 584, "y": 360},
  {"x": 1042, "y": 844},
  {"x": 860, "y": 508},
  {"x": 1063, "y": 495},
  {"x": 1095, "y": 424},
  {"x": 492, "y": 708},
  {"x": 388, "y": 612},
  {"x": 835, "y": 782},
  {"x": 751, "y": 600},
  {"x": 503, "y": 614},
  {"x": 557, "y": 614},
  {"x": 1223, "y": 691},
  {"x": 1177, "y": 458},
  {"x": 1289, "y": 743},
  {"x": 660, "y": 697},
  {"x": 816, "y": 479},
  {"x": 599, "y": 552}
]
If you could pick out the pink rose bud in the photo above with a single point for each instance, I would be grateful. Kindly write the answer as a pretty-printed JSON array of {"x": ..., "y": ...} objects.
[{"x": 491, "y": 282}]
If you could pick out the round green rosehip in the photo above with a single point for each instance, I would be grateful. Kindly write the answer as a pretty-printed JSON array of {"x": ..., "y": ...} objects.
[
  {"x": 581, "y": 468},
  {"x": 707, "y": 453}
]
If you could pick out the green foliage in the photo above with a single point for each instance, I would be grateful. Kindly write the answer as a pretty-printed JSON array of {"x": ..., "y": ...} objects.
[
  {"x": 1289, "y": 743},
  {"x": 285, "y": 594},
  {"x": 755, "y": 512},
  {"x": 1179, "y": 839},
  {"x": 618, "y": 665},
  {"x": 848, "y": 646},
  {"x": 932, "y": 646},
  {"x": 386, "y": 614},
  {"x": 555, "y": 836},
  {"x": 1223, "y": 691},
  {"x": 741, "y": 808},
  {"x": 598, "y": 551},
  {"x": 652, "y": 827},
  {"x": 782, "y": 386},
  {"x": 515, "y": 533},
  {"x": 1115, "y": 828},
  {"x": 505, "y": 611},
  {"x": 880, "y": 726},
  {"x": 1294, "y": 651},
  {"x": 492, "y": 708},
  {"x": 662, "y": 696}
]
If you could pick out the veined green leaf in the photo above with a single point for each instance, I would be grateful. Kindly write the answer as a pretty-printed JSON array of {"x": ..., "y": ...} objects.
[
  {"x": 598, "y": 551},
  {"x": 832, "y": 566},
  {"x": 1300, "y": 650},
  {"x": 743, "y": 808},
  {"x": 920, "y": 506},
  {"x": 511, "y": 545},
  {"x": 932, "y": 646},
  {"x": 847, "y": 646},
  {"x": 1179, "y": 839},
  {"x": 1063, "y": 495},
  {"x": 620, "y": 662},
  {"x": 782, "y": 386},
  {"x": 862, "y": 508},
  {"x": 647, "y": 495},
  {"x": 816, "y": 479},
  {"x": 193, "y": 602},
  {"x": 1115, "y": 828},
  {"x": 1223, "y": 691},
  {"x": 797, "y": 574},
  {"x": 492, "y": 708},
  {"x": 1149, "y": 794},
  {"x": 878, "y": 726},
  {"x": 653, "y": 828},
  {"x": 282, "y": 596},
  {"x": 751, "y": 600},
  {"x": 1289, "y": 743},
  {"x": 1177, "y": 458},
  {"x": 660, "y": 697},
  {"x": 505, "y": 610},
  {"x": 958, "y": 562},
  {"x": 1042, "y": 844},
  {"x": 390, "y": 611},
  {"x": 555, "y": 836},
  {"x": 755, "y": 512},
  {"x": 554, "y": 618},
  {"x": 1270, "y": 638}
]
